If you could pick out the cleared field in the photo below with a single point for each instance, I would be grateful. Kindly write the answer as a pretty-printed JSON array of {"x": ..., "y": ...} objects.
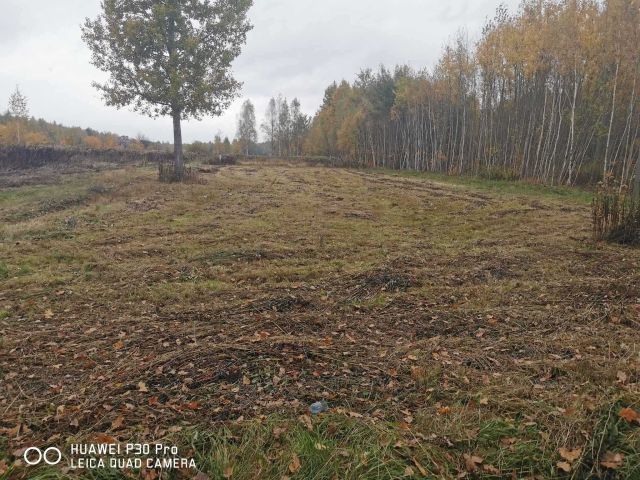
[{"x": 454, "y": 327}]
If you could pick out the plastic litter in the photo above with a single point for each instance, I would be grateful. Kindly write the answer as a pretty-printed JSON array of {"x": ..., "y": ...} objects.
[{"x": 319, "y": 407}]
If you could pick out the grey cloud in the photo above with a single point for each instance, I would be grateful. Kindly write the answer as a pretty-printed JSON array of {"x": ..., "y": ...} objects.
[{"x": 296, "y": 48}]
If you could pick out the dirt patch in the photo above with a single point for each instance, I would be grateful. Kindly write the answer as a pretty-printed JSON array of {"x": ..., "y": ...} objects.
[
  {"x": 280, "y": 304},
  {"x": 368, "y": 285}
]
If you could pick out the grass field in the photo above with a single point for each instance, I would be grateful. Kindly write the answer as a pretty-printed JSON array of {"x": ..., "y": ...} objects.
[{"x": 456, "y": 328}]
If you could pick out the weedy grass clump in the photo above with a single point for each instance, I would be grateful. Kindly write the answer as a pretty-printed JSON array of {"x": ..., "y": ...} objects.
[
  {"x": 616, "y": 214},
  {"x": 500, "y": 173}
]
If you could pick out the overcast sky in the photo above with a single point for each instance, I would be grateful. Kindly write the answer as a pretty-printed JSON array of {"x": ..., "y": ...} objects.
[{"x": 297, "y": 48}]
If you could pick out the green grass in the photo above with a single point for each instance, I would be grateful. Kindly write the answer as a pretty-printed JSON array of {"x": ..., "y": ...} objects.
[
  {"x": 613, "y": 434},
  {"x": 506, "y": 187},
  {"x": 4, "y": 271},
  {"x": 338, "y": 446}
]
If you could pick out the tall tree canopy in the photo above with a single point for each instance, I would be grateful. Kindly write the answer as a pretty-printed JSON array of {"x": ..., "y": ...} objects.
[
  {"x": 549, "y": 93},
  {"x": 169, "y": 57}
]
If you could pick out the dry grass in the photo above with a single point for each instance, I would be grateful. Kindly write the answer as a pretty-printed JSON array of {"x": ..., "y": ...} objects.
[
  {"x": 616, "y": 216},
  {"x": 437, "y": 319}
]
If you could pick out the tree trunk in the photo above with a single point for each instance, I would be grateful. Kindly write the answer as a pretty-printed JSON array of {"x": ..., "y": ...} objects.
[
  {"x": 636, "y": 182},
  {"x": 177, "y": 145},
  {"x": 613, "y": 112}
]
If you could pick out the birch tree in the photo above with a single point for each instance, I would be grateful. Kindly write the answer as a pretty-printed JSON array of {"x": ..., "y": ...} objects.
[
  {"x": 549, "y": 93},
  {"x": 247, "y": 134},
  {"x": 18, "y": 109}
]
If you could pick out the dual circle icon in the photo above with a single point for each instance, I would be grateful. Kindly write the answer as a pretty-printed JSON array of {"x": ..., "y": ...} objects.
[{"x": 35, "y": 456}]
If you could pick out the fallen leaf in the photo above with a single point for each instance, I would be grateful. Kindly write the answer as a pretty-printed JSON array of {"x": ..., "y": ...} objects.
[
  {"x": 18, "y": 453},
  {"x": 472, "y": 462},
  {"x": 508, "y": 441},
  {"x": 320, "y": 446},
  {"x": 630, "y": 415},
  {"x": 612, "y": 460},
  {"x": 48, "y": 314},
  {"x": 59, "y": 412},
  {"x": 295, "y": 465},
  {"x": 119, "y": 345},
  {"x": 142, "y": 387},
  {"x": 408, "y": 472},
  {"x": 306, "y": 420},
  {"x": 570, "y": 455},
  {"x": 228, "y": 472},
  {"x": 246, "y": 380},
  {"x": 564, "y": 466},
  {"x": 622, "y": 377},
  {"x": 444, "y": 410},
  {"x": 491, "y": 470},
  {"x": 101, "y": 439},
  {"x": 117, "y": 423},
  {"x": 13, "y": 432},
  {"x": 150, "y": 474},
  {"x": 484, "y": 401}
]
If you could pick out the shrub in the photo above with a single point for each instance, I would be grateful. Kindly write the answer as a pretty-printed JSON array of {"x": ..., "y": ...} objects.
[
  {"x": 499, "y": 173},
  {"x": 616, "y": 214},
  {"x": 221, "y": 160},
  {"x": 588, "y": 174},
  {"x": 25, "y": 157},
  {"x": 168, "y": 173}
]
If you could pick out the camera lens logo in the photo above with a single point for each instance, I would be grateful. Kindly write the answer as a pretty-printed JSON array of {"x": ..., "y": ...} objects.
[{"x": 35, "y": 456}]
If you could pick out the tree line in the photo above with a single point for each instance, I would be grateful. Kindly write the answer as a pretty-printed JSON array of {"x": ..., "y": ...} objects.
[
  {"x": 549, "y": 93},
  {"x": 17, "y": 127},
  {"x": 285, "y": 127}
]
